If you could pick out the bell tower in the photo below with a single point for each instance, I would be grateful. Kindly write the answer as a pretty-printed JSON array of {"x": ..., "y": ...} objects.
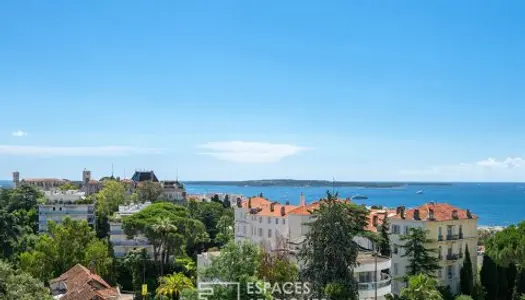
[
  {"x": 86, "y": 176},
  {"x": 16, "y": 179}
]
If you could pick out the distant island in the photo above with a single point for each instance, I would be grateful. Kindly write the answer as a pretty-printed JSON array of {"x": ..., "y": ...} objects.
[{"x": 316, "y": 183}]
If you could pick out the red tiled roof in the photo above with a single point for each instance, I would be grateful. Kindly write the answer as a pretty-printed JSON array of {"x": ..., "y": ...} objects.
[
  {"x": 265, "y": 206},
  {"x": 442, "y": 212},
  {"x": 81, "y": 284}
]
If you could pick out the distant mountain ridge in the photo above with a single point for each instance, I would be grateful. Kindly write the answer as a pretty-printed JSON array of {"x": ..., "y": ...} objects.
[{"x": 314, "y": 183}]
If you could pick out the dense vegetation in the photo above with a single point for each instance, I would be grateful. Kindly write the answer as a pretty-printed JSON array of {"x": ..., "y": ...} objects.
[{"x": 28, "y": 260}]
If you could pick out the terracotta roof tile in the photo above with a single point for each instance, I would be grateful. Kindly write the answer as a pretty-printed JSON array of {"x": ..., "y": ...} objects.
[
  {"x": 265, "y": 206},
  {"x": 442, "y": 212},
  {"x": 81, "y": 284}
]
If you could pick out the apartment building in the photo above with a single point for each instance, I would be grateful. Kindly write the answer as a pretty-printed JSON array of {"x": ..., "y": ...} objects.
[
  {"x": 60, "y": 205},
  {"x": 121, "y": 243},
  {"x": 277, "y": 226},
  {"x": 451, "y": 228}
]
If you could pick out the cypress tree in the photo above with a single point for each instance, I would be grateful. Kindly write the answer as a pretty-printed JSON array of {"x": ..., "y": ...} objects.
[
  {"x": 466, "y": 276},
  {"x": 384, "y": 243},
  {"x": 489, "y": 278},
  {"x": 421, "y": 258},
  {"x": 519, "y": 286},
  {"x": 504, "y": 288}
]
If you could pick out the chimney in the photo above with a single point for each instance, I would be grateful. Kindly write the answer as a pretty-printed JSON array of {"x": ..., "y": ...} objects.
[
  {"x": 455, "y": 214},
  {"x": 469, "y": 214},
  {"x": 250, "y": 203},
  {"x": 303, "y": 201},
  {"x": 375, "y": 220},
  {"x": 431, "y": 214},
  {"x": 416, "y": 214},
  {"x": 283, "y": 211},
  {"x": 272, "y": 206},
  {"x": 402, "y": 212},
  {"x": 92, "y": 267}
]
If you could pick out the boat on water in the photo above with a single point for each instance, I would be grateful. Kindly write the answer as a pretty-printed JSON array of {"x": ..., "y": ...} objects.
[
  {"x": 359, "y": 197},
  {"x": 419, "y": 192}
]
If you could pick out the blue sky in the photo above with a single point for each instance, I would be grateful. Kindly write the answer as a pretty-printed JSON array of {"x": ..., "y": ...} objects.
[{"x": 356, "y": 90}]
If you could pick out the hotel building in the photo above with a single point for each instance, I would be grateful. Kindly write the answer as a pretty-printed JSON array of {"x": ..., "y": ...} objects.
[
  {"x": 275, "y": 226},
  {"x": 121, "y": 243},
  {"x": 60, "y": 205},
  {"x": 452, "y": 229}
]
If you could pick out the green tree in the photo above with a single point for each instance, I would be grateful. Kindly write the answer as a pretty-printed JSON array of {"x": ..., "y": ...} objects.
[
  {"x": 466, "y": 275},
  {"x": 226, "y": 202},
  {"x": 134, "y": 262},
  {"x": 216, "y": 199},
  {"x": 189, "y": 232},
  {"x": 237, "y": 262},
  {"x": 108, "y": 200},
  {"x": 225, "y": 228},
  {"x": 149, "y": 191},
  {"x": 329, "y": 252},
  {"x": 277, "y": 268},
  {"x": 68, "y": 186},
  {"x": 172, "y": 285},
  {"x": 489, "y": 278},
  {"x": 463, "y": 297},
  {"x": 16, "y": 285},
  {"x": 384, "y": 241},
  {"x": 64, "y": 246},
  {"x": 422, "y": 259},
  {"x": 421, "y": 287}
]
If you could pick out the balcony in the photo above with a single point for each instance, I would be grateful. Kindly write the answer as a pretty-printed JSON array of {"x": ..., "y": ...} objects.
[
  {"x": 367, "y": 290},
  {"x": 452, "y": 257},
  {"x": 452, "y": 237}
]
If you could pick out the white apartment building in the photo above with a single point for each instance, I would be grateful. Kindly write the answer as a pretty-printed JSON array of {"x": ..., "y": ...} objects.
[
  {"x": 121, "y": 244},
  {"x": 280, "y": 226},
  {"x": 60, "y": 205},
  {"x": 173, "y": 191},
  {"x": 451, "y": 228}
]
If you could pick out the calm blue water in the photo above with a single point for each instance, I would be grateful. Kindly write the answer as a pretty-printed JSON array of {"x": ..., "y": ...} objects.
[{"x": 494, "y": 203}]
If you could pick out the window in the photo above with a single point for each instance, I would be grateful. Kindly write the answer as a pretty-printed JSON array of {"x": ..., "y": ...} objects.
[
  {"x": 406, "y": 229},
  {"x": 276, "y": 221},
  {"x": 284, "y": 221},
  {"x": 260, "y": 231},
  {"x": 440, "y": 253},
  {"x": 396, "y": 229},
  {"x": 396, "y": 250},
  {"x": 450, "y": 271},
  {"x": 439, "y": 275},
  {"x": 269, "y": 233},
  {"x": 269, "y": 220},
  {"x": 54, "y": 208},
  {"x": 395, "y": 269},
  {"x": 260, "y": 219},
  {"x": 60, "y": 208}
]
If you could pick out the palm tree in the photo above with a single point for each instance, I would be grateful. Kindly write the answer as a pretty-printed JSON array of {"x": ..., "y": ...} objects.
[
  {"x": 165, "y": 230},
  {"x": 421, "y": 287},
  {"x": 172, "y": 285}
]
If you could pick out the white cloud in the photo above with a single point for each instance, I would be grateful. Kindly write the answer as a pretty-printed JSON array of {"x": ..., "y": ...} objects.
[
  {"x": 19, "y": 133},
  {"x": 75, "y": 151},
  {"x": 250, "y": 152},
  {"x": 510, "y": 168}
]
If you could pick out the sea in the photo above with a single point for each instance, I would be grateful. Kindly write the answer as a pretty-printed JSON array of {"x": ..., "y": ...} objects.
[{"x": 496, "y": 204}]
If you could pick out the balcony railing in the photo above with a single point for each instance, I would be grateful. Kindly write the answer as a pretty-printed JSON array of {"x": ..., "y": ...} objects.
[
  {"x": 451, "y": 237},
  {"x": 386, "y": 280},
  {"x": 440, "y": 237},
  {"x": 452, "y": 257}
]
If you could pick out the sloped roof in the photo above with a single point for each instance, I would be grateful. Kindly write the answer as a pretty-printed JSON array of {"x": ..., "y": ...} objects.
[
  {"x": 81, "y": 284},
  {"x": 442, "y": 212}
]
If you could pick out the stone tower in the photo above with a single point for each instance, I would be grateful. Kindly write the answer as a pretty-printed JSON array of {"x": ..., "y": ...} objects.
[
  {"x": 16, "y": 178},
  {"x": 86, "y": 176}
]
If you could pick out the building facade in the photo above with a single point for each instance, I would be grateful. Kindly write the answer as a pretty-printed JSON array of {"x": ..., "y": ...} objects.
[
  {"x": 173, "y": 191},
  {"x": 60, "y": 205},
  {"x": 452, "y": 229},
  {"x": 277, "y": 226},
  {"x": 121, "y": 244}
]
